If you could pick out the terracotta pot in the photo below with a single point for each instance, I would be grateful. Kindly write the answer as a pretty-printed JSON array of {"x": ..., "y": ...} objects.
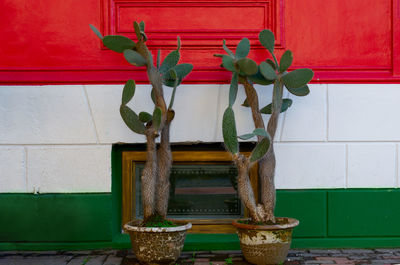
[
  {"x": 157, "y": 245},
  {"x": 266, "y": 244}
]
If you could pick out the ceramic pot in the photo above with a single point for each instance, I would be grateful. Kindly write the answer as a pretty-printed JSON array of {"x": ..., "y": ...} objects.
[
  {"x": 157, "y": 245},
  {"x": 266, "y": 244}
]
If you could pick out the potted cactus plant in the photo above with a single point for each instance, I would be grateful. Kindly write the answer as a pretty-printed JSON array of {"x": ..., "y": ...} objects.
[
  {"x": 264, "y": 238},
  {"x": 155, "y": 239}
]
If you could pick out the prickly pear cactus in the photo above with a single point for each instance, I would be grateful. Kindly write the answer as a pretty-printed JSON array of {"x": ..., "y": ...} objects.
[
  {"x": 269, "y": 72},
  {"x": 155, "y": 178}
]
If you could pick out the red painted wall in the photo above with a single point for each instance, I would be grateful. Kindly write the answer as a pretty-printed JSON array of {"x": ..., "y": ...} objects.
[{"x": 343, "y": 41}]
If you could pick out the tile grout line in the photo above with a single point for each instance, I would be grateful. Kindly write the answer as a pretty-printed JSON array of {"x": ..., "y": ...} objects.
[
  {"x": 59, "y": 145},
  {"x": 346, "y": 142},
  {"x": 282, "y": 142},
  {"x": 91, "y": 114},
  {"x": 183, "y": 142}
]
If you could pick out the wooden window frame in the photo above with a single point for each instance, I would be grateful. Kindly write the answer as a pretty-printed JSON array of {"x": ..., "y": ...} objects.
[{"x": 215, "y": 226}]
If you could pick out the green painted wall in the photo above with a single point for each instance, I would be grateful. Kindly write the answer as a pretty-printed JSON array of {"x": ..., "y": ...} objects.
[
  {"x": 364, "y": 213},
  {"x": 55, "y": 217},
  {"x": 328, "y": 218}
]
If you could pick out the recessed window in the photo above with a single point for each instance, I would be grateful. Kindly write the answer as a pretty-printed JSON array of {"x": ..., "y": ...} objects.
[{"x": 203, "y": 188}]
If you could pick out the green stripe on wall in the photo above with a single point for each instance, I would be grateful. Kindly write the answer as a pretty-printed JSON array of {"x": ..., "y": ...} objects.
[
  {"x": 55, "y": 217},
  {"x": 364, "y": 213},
  {"x": 328, "y": 218},
  {"x": 309, "y": 207}
]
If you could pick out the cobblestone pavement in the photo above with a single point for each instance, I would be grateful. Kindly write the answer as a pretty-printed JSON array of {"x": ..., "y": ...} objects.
[{"x": 125, "y": 257}]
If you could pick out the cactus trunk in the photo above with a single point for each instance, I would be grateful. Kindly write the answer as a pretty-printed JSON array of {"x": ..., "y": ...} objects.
[
  {"x": 268, "y": 162},
  {"x": 155, "y": 178},
  {"x": 266, "y": 165},
  {"x": 148, "y": 179},
  {"x": 163, "y": 159},
  {"x": 266, "y": 169},
  {"x": 244, "y": 188},
  {"x": 164, "y": 167}
]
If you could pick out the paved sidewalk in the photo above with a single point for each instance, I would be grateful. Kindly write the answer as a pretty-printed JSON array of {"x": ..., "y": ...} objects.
[{"x": 125, "y": 257}]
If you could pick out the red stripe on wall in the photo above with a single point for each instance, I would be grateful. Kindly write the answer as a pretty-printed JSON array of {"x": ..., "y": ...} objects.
[{"x": 49, "y": 42}]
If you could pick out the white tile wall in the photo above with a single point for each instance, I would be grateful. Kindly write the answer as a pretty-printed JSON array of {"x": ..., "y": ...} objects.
[
  {"x": 12, "y": 169},
  {"x": 105, "y": 101},
  {"x": 44, "y": 115},
  {"x": 69, "y": 169},
  {"x": 244, "y": 122},
  {"x": 371, "y": 165},
  {"x": 195, "y": 112},
  {"x": 196, "y": 109},
  {"x": 364, "y": 112},
  {"x": 309, "y": 165},
  {"x": 68, "y": 132},
  {"x": 306, "y": 119}
]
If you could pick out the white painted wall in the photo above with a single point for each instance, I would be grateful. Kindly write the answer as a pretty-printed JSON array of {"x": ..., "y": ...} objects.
[{"x": 59, "y": 138}]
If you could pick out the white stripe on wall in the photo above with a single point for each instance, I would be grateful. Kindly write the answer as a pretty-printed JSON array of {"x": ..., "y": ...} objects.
[{"x": 59, "y": 138}]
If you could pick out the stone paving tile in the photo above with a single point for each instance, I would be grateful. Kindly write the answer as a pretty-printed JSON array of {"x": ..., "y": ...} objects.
[
  {"x": 357, "y": 251},
  {"x": 105, "y": 252},
  {"x": 226, "y": 252},
  {"x": 88, "y": 260},
  {"x": 341, "y": 255},
  {"x": 202, "y": 260},
  {"x": 29, "y": 253},
  {"x": 123, "y": 253},
  {"x": 126, "y": 257},
  {"x": 218, "y": 263},
  {"x": 44, "y": 260},
  {"x": 387, "y": 261},
  {"x": 386, "y": 250},
  {"x": 392, "y": 257},
  {"x": 310, "y": 255},
  {"x": 294, "y": 258},
  {"x": 335, "y": 260},
  {"x": 8, "y": 253},
  {"x": 358, "y": 257},
  {"x": 78, "y": 260},
  {"x": 205, "y": 255},
  {"x": 325, "y": 251},
  {"x": 319, "y": 262},
  {"x": 288, "y": 262},
  {"x": 45, "y": 253},
  {"x": 113, "y": 260},
  {"x": 78, "y": 252},
  {"x": 97, "y": 260},
  {"x": 297, "y": 251},
  {"x": 221, "y": 257}
]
